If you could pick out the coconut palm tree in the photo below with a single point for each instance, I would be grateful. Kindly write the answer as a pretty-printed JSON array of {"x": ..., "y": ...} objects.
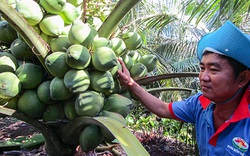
[{"x": 172, "y": 28}]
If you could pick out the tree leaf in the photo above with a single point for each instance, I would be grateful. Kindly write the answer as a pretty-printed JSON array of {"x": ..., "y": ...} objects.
[
  {"x": 127, "y": 140},
  {"x": 6, "y": 111}
]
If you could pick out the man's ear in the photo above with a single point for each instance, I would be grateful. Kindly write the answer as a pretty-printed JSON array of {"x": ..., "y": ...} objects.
[{"x": 244, "y": 78}]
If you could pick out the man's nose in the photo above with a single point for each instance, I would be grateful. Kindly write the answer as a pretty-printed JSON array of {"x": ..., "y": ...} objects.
[{"x": 204, "y": 76}]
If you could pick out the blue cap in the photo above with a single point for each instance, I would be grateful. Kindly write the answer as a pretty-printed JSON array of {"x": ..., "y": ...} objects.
[{"x": 227, "y": 40}]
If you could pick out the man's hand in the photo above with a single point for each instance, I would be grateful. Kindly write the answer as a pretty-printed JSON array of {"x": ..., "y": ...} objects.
[{"x": 124, "y": 75}]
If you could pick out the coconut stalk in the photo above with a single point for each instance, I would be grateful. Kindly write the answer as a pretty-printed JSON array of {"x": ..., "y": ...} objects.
[
  {"x": 148, "y": 80},
  {"x": 121, "y": 10}
]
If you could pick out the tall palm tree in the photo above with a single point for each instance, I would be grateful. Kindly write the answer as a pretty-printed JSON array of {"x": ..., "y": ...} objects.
[{"x": 172, "y": 28}]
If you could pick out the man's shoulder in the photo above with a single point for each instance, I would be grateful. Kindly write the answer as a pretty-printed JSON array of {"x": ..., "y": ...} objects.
[{"x": 205, "y": 102}]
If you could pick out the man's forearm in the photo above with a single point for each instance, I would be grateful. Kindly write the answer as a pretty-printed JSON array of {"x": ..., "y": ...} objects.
[{"x": 151, "y": 102}]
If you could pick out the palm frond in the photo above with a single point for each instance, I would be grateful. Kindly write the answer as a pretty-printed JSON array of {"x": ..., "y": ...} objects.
[{"x": 215, "y": 12}]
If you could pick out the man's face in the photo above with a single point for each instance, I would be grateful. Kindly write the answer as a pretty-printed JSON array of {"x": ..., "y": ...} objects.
[{"x": 217, "y": 79}]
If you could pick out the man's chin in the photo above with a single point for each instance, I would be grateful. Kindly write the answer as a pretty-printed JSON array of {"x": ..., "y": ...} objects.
[{"x": 207, "y": 96}]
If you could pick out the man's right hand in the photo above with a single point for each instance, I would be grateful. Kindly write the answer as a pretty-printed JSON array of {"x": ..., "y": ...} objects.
[{"x": 124, "y": 75}]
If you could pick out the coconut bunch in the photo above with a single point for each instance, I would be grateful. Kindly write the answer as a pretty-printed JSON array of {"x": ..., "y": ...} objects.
[{"x": 83, "y": 69}]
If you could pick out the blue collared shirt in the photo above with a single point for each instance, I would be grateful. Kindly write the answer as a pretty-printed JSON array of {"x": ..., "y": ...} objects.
[{"x": 231, "y": 139}]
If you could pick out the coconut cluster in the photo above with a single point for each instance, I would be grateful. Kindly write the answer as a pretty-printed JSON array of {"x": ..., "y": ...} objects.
[{"x": 82, "y": 78}]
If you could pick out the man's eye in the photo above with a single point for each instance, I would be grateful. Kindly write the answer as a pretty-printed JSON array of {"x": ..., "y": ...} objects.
[{"x": 213, "y": 69}]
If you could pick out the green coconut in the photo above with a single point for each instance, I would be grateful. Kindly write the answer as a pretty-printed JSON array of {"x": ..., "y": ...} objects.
[
  {"x": 78, "y": 56},
  {"x": 56, "y": 63},
  {"x": 89, "y": 103},
  {"x": 7, "y": 33},
  {"x": 53, "y": 6},
  {"x": 76, "y": 80},
  {"x": 135, "y": 55},
  {"x": 90, "y": 137},
  {"x": 58, "y": 90},
  {"x": 21, "y": 50},
  {"x": 52, "y": 25},
  {"x": 53, "y": 112},
  {"x": 138, "y": 70},
  {"x": 12, "y": 103},
  {"x": 10, "y": 85},
  {"x": 30, "y": 10},
  {"x": 69, "y": 13},
  {"x": 128, "y": 61},
  {"x": 132, "y": 40},
  {"x": 118, "y": 46},
  {"x": 101, "y": 81},
  {"x": 30, "y": 75},
  {"x": 29, "y": 104},
  {"x": 149, "y": 60},
  {"x": 104, "y": 59},
  {"x": 119, "y": 104},
  {"x": 81, "y": 33},
  {"x": 8, "y": 62},
  {"x": 60, "y": 43},
  {"x": 43, "y": 92},
  {"x": 101, "y": 42},
  {"x": 69, "y": 108}
]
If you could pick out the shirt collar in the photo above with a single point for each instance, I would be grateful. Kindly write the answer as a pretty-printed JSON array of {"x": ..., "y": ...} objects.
[{"x": 242, "y": 110}]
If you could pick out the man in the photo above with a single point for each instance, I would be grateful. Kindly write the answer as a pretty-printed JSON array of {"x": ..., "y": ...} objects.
[{"x": 221, "y": 112}]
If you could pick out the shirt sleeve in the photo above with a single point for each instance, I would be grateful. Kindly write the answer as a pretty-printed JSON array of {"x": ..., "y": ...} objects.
[{"x": 186, "y": 110}]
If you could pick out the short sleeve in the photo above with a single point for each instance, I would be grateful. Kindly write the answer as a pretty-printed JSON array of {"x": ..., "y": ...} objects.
[{"x": 186, "y": 110}]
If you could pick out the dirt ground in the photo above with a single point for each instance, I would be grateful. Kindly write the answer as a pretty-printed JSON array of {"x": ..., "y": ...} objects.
[{"x": 155, "y": 145}]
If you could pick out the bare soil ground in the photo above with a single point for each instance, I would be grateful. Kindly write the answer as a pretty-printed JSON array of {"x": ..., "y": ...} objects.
[{"x": 155, "y": 145}]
